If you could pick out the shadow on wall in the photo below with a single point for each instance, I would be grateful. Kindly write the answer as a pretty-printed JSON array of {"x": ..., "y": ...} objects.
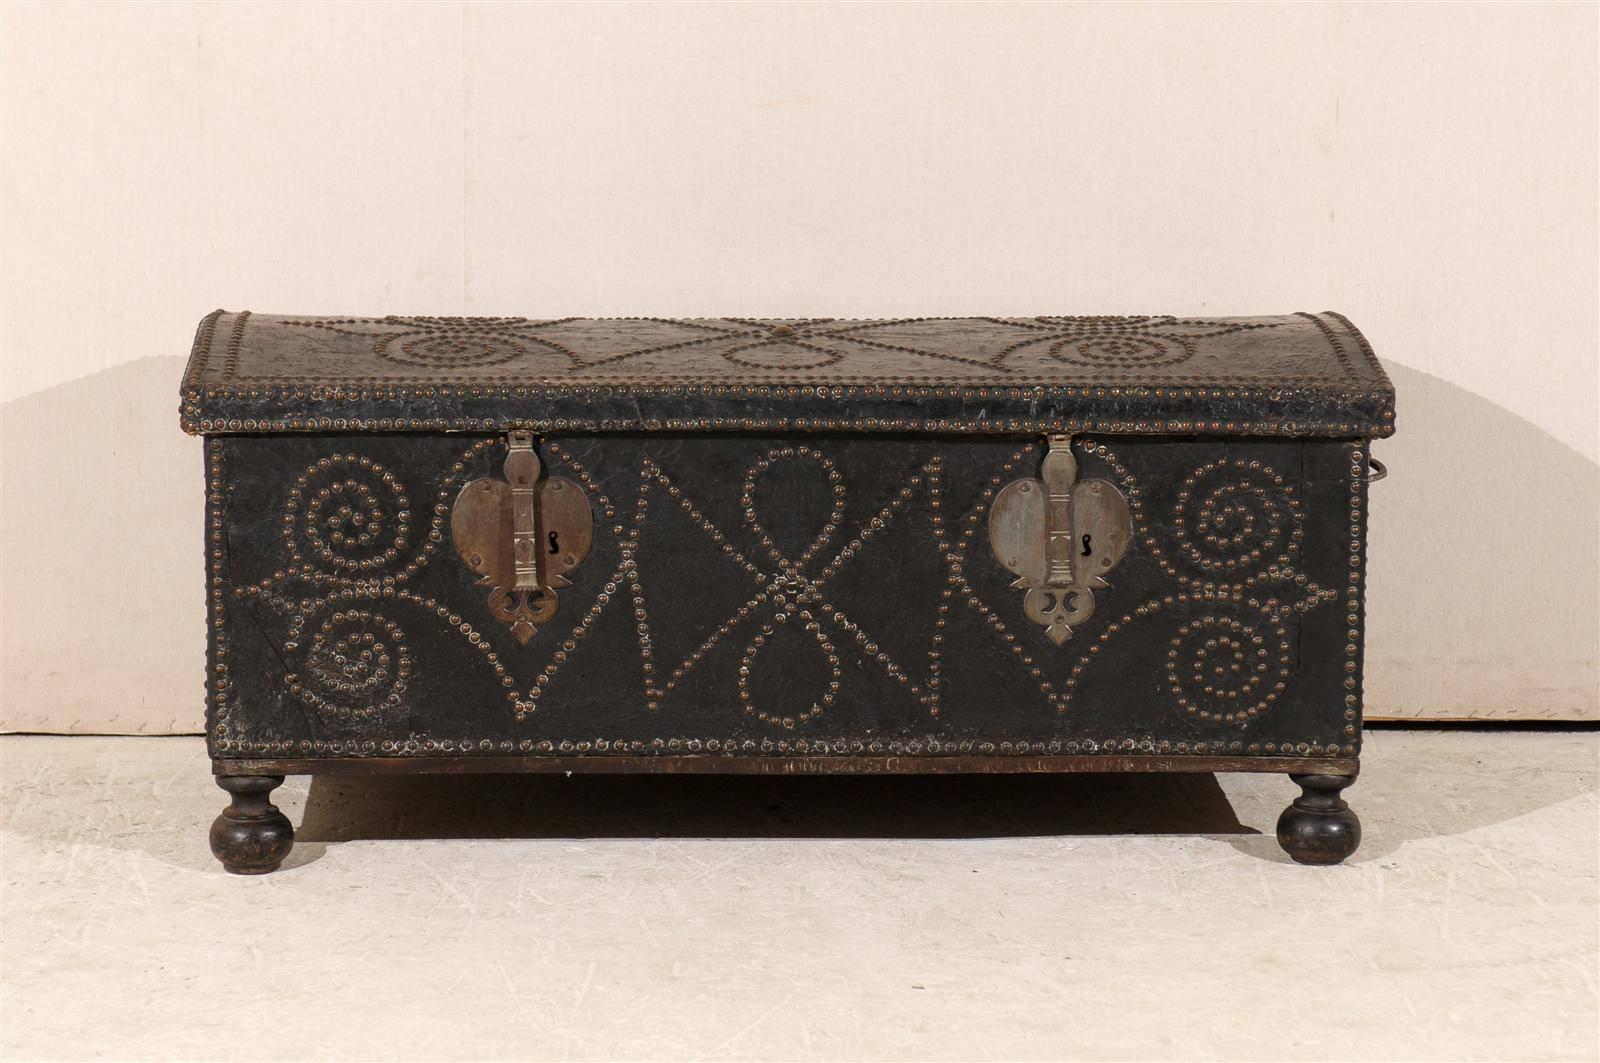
[
  {"x": 100, "y": 534},
  {"x": 1484, "y": 563}
]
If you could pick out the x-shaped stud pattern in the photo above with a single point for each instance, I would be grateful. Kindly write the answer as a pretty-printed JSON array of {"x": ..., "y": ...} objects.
[
  {"x": 786, "y": 591},
  {"x": 788, "y": 594},
  {"x": 474, "y": 345}
]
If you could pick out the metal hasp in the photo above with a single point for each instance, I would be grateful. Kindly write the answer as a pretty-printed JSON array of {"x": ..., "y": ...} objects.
[
  {"x": 1060, "y": 536},
  {"x": 524, "y": 535}
]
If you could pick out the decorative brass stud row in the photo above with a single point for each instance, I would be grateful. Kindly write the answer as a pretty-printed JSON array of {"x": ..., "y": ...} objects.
[{"x": 818, "y": 746}]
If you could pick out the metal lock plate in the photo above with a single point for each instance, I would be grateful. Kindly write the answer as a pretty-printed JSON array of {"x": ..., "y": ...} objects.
[
  {"x": 524, "y": 535},
  {"x": 1060, "y": 536}
]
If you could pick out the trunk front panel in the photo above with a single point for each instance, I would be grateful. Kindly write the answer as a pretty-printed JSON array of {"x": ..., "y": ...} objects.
[{"x": 819, "y": 594}]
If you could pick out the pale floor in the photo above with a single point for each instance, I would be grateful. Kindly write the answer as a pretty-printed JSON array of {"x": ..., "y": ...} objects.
[{"x": 711, "y": 918}]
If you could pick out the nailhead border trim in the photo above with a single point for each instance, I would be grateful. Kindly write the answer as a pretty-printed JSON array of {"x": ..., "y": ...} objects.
[{"x": 927, "y": 746}]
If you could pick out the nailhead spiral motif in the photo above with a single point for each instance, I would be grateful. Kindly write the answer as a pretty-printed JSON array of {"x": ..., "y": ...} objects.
[
  {"x": 1122, "y": 343},
  {"x": 1228, "y": 668},
  {"x": 463, "y": 343},
  {"x": 352, "y": 660},
  {"x": 357, "y": 663},
  {"x": 1238, "y": 516},
  {"x": 347, "y": 513}
]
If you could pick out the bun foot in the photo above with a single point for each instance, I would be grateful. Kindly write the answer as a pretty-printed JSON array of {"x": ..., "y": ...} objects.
[
  {"x": 251, "y": 837},
  {"x": 1319, "y": 828}
]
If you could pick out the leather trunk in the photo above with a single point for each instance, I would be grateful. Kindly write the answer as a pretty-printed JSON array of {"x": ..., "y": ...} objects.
[{"x": 785, "y": 545}]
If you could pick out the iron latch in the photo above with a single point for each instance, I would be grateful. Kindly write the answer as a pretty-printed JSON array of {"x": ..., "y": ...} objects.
[
  {"x": 1060, "y": 536},
  {"x": 524, "y": 535}
]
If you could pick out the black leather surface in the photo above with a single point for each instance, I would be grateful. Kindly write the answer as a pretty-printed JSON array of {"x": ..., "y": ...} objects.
[{"x": 889, "y": 589}]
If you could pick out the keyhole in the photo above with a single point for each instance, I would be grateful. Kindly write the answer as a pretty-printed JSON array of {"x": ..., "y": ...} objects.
[
  {"x": 555, "y": 547},
  {"x": 1085, "y": 546}
]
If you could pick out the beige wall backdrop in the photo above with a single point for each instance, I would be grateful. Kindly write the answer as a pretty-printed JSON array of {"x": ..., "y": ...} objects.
[{"x": 1429, "y": 170}]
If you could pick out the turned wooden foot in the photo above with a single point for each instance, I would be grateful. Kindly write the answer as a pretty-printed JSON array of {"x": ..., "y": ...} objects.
[
  {"x": 251, "y": 837},
  {"x": 1319, "y": 828}
]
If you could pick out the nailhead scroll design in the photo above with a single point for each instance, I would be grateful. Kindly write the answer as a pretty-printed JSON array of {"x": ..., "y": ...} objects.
[
  {"x": 357, "y": 664},
  {"x": 1122, "y": 343},
  {"x": 1236, "y": 517},
  {"x": 348, "y": 513},
  {"x": 358, "y": 656},
  {"x": 1138, "y": 356},
  {"x": 1239, "y": 520}
]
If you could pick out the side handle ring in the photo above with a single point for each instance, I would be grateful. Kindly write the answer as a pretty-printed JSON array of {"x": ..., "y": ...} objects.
[{"x": 1379, "y": 470}]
